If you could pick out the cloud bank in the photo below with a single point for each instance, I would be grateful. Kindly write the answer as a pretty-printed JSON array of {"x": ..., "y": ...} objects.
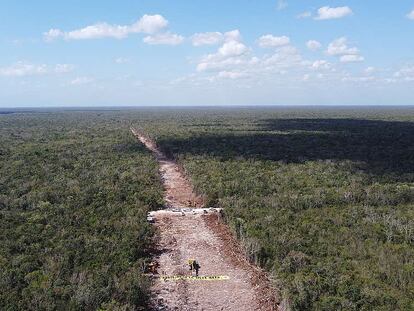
[
  {"x": 24, "y": 69},
  {"x": 147, "y": 24},
  {"x": 327, "y": 12}
]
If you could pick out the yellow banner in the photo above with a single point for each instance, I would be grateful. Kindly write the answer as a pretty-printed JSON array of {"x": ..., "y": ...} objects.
[{"x": 194, "y": 278}]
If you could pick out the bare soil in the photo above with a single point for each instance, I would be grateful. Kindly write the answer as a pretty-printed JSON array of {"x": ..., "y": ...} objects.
[{"x": 187, "y": 231}]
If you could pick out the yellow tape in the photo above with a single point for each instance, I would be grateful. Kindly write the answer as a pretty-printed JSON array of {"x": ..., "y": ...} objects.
[{"x": 195, "y": 278}]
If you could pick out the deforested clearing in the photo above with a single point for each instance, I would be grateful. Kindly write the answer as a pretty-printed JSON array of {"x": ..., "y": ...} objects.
[{"x": 188, "y": 230}]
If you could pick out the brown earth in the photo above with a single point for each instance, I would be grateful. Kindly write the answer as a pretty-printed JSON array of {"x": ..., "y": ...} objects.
[{"x": 196, "y": 233}]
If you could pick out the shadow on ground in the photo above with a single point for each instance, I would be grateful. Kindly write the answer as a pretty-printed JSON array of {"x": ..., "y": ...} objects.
[{"x": 382, "y": 147}]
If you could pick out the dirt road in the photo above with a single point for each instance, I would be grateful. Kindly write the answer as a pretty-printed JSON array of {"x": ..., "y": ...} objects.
[{"x": 187, "y": 231}]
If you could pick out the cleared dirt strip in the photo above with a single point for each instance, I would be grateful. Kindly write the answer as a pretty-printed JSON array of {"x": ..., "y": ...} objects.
[{"x": 186, "y": 231}]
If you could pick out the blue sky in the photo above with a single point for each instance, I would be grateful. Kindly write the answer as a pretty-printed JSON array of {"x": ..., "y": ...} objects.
[{"x": 160, "y": 52}]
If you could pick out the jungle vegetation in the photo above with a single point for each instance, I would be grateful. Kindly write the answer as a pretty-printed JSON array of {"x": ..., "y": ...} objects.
[
  {"x": 323, "y": 199},
  {"x": 75, "y": 188}
]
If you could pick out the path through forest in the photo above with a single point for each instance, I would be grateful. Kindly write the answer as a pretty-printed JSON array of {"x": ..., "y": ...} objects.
[{"x": 187, "y": 230}]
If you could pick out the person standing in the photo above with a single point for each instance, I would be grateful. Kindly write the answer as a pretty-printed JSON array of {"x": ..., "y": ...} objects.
[{"x": 194, "y": 266}]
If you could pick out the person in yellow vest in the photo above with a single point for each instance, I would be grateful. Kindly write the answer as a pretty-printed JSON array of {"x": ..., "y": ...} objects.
[{"x": 194, "y": 266}]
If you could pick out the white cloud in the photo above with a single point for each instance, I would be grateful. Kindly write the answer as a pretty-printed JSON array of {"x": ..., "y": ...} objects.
[
  {"x": 272, "y": 41},
  {"x": 232, "y": 48},
  {"x": 370, "y": 70},
  {"x": 231, "y": 75},
  {"x": 233, "y": 35},
  {"x": 285, "y": 57},
  {"x": 321, "y": 64},
  {"x": 23, "y": 69},
  {"x": 148, "y": 24},
  {"x": 234, "y": 60},
  {"x": 302, "y": 15},
  {"x": 406, "y": 73},
  {"x": 207, "y": 38},
  {"x": 340, "y": 47},
  {"x": 313, "y": 45},
  {"x": 216, "y": 61},
  {"x": 284, "y": 61},
  {"x": 411, "y": 15},
  {"x": 346, "y": 54},
  {"x": 281, "y": 5},
  {"x": 327, "y": 12},
  {"x": 98, "y": 31},
  {"x": 81, "y": 81},
  {"x": 231, "y": 54},
  {"x": 351, "y": 58},
  {"x": 64, "y": 68},
  {"x": 358, "y": 79},
  {"x": 164, "y": 39},
  {"x": 210, "y": 38},
  {"x": 122, "y": 60},
  {"x": 53, "y": 34}
]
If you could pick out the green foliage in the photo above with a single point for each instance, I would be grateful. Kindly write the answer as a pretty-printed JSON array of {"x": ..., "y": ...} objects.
[
  {"x": 75, "y": 188},
  {"x": 321, "y": 198}
]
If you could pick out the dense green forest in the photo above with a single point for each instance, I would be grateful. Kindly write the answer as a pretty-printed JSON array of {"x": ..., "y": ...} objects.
[
  {"x": 75, "y": 188},
  {"x": 321, "y": 198}
]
